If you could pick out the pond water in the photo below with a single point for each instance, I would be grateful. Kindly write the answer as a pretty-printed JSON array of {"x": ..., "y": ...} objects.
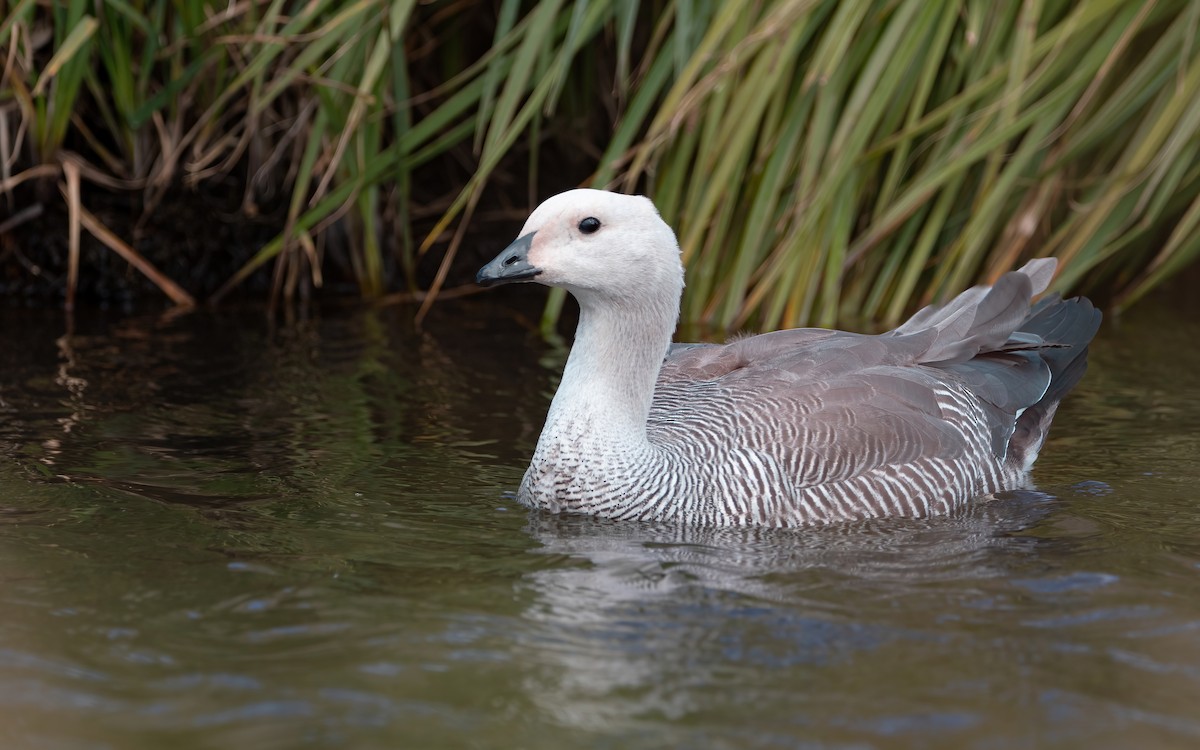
[{"x": 218, "y": 530}]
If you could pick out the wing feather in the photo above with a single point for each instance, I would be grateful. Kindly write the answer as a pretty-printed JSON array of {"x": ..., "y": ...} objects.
[{"x": 830, "y": 405}]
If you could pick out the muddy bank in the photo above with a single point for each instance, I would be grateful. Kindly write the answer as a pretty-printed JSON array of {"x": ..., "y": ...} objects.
[{"x": 201, "y": 237}]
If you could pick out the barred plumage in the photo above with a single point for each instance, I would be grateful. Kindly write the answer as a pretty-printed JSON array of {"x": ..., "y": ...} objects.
[{"x": 788, "y": 428}]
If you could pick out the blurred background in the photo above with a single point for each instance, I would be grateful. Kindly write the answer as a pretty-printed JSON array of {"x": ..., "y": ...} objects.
[{"x": 823, "y": 162}]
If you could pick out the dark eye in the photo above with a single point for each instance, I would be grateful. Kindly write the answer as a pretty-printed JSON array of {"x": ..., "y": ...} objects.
[{"x": 589, "y": 225}]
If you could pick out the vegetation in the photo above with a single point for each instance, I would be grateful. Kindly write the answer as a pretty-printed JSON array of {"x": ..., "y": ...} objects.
[{"x": 821, "y": 160}]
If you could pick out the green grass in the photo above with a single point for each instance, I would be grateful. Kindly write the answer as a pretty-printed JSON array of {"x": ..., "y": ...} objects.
[{"x": 822, "y": 161}]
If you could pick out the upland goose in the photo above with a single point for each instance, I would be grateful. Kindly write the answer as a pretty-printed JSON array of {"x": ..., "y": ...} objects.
[{"x": 788, "y": 428}]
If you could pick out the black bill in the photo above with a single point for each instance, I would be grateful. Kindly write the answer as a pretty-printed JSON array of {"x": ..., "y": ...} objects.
[{"x": 510, "y": 265}]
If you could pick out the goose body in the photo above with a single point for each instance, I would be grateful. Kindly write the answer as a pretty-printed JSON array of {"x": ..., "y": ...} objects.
[{"x": 788, "y": 428}]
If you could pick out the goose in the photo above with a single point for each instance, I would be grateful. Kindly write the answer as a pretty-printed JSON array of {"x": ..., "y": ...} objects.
[{"x": 790, "y": 428}]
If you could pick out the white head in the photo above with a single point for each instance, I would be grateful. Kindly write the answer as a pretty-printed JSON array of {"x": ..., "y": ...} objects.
[{"x": 595, "y": 244}]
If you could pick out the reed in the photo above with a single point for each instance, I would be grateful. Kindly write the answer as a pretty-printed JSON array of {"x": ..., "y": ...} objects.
[
  {"x": 889, "y": 154},
  {"x": 822, "y": 160}
]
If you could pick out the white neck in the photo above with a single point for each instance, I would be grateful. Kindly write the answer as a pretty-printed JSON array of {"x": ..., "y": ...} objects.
[{"x": 608, "y": 383}]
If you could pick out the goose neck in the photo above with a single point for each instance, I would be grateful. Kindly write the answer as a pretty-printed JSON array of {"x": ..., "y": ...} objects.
[{"x": 610, "y": 375}]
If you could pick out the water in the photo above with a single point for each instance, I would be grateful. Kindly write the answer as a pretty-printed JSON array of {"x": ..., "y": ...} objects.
[{"x": 218, "y": 532}]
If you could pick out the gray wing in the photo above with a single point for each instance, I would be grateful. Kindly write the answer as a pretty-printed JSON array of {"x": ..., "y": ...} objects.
[
  {"x": 829, "y": 411},
  {"x": 829, "y": 405}
]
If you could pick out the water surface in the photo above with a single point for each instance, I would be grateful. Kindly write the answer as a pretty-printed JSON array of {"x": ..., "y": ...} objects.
[{"x": 221, "y": 531}]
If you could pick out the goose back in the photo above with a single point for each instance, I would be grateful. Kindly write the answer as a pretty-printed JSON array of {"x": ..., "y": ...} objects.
[{"x": 952, "y": 405}]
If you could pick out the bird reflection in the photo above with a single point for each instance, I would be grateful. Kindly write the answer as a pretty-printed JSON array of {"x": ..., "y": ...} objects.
[{"x": 638, "y": 621}]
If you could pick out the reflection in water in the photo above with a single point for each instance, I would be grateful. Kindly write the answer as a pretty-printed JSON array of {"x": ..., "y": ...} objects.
[
  {"x": 217, "y": 532},
  {"x": 314, "y": 402},
  {"x": 837, "y": 627},
  {"x": 642, "y": 602}
]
